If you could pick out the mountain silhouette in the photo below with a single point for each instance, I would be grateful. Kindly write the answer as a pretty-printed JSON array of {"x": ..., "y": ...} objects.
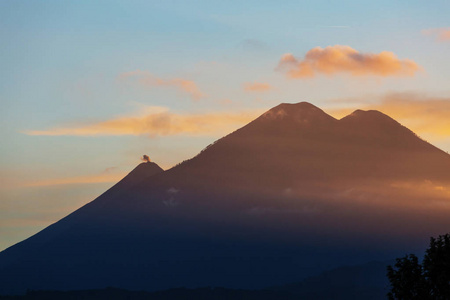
[{"x": 290, "y": 194}]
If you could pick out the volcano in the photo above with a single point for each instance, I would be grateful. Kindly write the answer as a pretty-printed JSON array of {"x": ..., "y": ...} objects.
[{"x": 289, "y": 195}]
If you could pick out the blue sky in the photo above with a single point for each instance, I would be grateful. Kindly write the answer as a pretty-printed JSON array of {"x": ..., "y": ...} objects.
[{"x": 63, "y": 66}]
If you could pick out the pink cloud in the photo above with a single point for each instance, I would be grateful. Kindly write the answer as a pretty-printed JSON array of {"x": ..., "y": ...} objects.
[
  {"x": 441, "y": 34},
  {"x": 147, "y": 79},
  {"x": 344, "y": 59},
  {"x": 257, "y": 87}
]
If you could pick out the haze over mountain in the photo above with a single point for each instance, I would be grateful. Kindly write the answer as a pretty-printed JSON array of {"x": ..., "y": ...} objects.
[{"x": 292, "y": 193}]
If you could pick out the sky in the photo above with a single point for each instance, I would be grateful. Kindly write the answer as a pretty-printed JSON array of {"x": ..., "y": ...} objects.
[{"x": 88, "y": 87}]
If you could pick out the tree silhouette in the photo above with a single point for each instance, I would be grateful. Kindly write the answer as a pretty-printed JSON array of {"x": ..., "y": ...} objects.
[
  {"x": 430, "y": 280},
  {"x": 436, "y": 266},
  {"x": 407, "y": 281}
]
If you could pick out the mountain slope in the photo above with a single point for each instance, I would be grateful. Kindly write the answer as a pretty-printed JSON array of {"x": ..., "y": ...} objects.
[
  {"x": 290, "y": 194},
  {"x": 140, "y": 173}
]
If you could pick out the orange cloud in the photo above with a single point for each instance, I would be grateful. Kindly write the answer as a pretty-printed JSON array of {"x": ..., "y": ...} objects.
[
  {"x": 257, "y": 87},
  {"x": 147, "y": 79},
  {"x": 158, "y": 121},
  {"x": 441, "y": 34},
  {"x": 425, "y": 115},
  {"x": 344, "y": 59},
  {"x": 422, "y": 114},
  {"x": 426, "y": 188}
]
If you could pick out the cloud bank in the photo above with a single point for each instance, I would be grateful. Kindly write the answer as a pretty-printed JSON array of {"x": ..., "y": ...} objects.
[
  {"x": 337, "y": 59},
  {"x": 420, "y": 113},
  {"x": 158, "y": 121},
  {"x": 147, "y": 79},
  {"x": 424, "y": 114}
]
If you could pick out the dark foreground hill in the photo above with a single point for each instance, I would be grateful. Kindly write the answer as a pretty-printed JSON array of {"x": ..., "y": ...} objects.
[
  {"x": 291, "y": 194},
  {"x": 368, "y": 282},
  {"x": 172, "y": 294}
]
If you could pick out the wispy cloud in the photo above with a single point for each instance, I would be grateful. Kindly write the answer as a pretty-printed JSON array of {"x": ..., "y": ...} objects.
[
  {"x": 441, "y": 34},
  {"x": 147, "y": 79},
  {"x": 257, "y": 87},
  {"x": 336, "y": 26},
  {"x": 253, "y": 45},
  {"x": 158, "y": 121},
  {"x": 344, "y": 59}
]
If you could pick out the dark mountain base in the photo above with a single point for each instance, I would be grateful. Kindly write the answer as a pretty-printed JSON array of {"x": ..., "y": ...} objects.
[
  {"x": 203, "y": 294},
  {"x": 368, "y": 282},
  {"x": 172, "y": 294}
]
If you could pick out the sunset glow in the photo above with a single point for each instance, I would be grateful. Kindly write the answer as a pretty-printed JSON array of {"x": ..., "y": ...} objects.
[{"x": 180, "y": 141}]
